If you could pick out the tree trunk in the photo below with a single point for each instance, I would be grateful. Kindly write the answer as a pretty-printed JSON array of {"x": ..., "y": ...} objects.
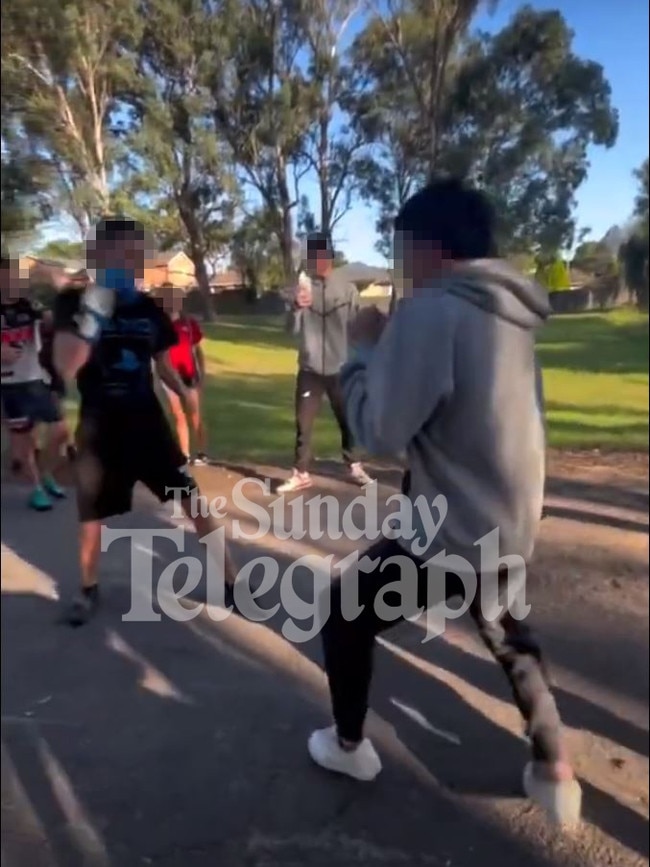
[
  {"x": 286, "y": 229},
  {"x": 197, "y": 254},
  {"x": 203, "y": 282},
  {"x": 323, "y": 175}
]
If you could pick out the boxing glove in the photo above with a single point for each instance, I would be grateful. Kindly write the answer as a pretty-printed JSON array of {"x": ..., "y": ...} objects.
[{"x": 97, "y": 305}]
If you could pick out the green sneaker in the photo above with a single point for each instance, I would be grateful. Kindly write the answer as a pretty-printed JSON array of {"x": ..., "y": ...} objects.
[
  {"x": 39, "y": 500},
  {"x": 53, "y": 488}
]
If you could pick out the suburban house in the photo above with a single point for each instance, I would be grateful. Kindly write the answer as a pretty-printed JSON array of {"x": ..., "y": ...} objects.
[
  {"x": 227, "y": 281},
  {"x": 370, "y": 281},
  {"x": 173, "y": 267},
  {"x": 51, "y": 272},
  {"x": 578, "y": 278}
]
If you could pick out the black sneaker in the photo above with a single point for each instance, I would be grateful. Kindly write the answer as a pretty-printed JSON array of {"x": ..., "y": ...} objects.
[
  {"x": 200, "y": 459},
  {"x": 83, "y": 606}
]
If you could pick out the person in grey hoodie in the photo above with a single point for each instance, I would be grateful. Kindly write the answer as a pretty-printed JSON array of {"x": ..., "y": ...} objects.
[
  {"x": 322, "y": 308},
  {"x": 452, "y": 380}
]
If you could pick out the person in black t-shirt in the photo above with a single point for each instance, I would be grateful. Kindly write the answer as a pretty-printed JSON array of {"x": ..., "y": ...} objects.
[{"x": 107, "y": 337}]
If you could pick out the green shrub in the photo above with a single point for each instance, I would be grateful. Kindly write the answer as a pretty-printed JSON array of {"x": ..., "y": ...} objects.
[{"x": 554, "y": 276}]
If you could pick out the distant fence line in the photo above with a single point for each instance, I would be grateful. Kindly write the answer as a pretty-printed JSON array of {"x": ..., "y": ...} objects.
[
  {"x": 606, "y": 296},
  {"x": 242, "y": 302},
  {"x": 239, "y": 302}
]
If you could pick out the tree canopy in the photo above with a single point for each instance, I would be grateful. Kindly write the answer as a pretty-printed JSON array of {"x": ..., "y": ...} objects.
[
  {"x": 634, "y": 252},
  {"x": 595, "y": 259},
  {"x": 232, "y": 126}
]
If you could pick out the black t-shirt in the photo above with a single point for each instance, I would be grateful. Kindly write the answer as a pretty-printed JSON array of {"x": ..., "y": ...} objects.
[{"x": 118, "y": 375}]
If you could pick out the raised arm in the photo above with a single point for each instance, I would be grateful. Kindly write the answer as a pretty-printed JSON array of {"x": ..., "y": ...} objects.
[
  {"x": 393, "y": 389},
  {"x": 70, "y": 351}
]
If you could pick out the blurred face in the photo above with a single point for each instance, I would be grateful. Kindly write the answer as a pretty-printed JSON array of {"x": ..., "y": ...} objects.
[
  {"x": 319, "y": 262},
  {"x": 126, "y": 252},
  {"x": 172, "y": 300},
  {"x": 14, "y": 283},
  {"x": 416, "y": 263}
]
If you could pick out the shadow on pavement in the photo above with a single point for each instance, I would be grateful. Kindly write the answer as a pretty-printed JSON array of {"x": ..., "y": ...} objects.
[
  {"x": 155, "y": 743},
  {"x": 594, "y": 518},
  {"x": 182, "y": 744}
]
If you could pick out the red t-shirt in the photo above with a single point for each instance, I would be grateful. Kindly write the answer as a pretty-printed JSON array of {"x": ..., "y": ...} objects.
[{"x": 183, "y": 355}]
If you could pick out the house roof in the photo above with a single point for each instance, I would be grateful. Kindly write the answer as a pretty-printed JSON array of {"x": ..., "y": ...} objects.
[
  {"x": 69, "y": 265},
  {"x": 357, "y": 272},
  {"x": 166, "y": 257},
  {"x": 230, "y": 277}
]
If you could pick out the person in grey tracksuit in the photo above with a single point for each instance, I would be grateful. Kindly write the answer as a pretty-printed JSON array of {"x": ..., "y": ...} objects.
[
  {"x": 451, "y": 379},
  {"x": 323, "y": 306}
]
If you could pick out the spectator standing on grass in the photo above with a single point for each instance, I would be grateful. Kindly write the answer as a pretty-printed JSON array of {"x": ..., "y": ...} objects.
[
  {"x": 452, "y": 379},
  {"x": 27, "y": 401},
  {"x": 188, "y": 361},
  {"x": 323, "y": 305}
]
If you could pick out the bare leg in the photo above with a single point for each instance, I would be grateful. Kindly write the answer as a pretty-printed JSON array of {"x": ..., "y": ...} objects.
[
  {"x": 180, "y": 422},
  {"x": 57, "y": 437},
  {"x": 23, "y": 452},
  {"x": 90, "y": 533},
  {"x": 85, "y": 603},
  {"x": 196, "y": 420},
  {"x": 205, "y": 526}
]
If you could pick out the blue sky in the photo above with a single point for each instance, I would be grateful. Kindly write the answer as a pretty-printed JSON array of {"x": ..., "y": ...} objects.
[{"x": 615, "y": 35}]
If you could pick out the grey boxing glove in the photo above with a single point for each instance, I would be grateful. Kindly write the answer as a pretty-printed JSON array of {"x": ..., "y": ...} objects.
[{"x": 97, "y": 306}]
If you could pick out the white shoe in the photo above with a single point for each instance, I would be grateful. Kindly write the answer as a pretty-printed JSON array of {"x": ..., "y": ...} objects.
[
  {"x": 561, "y": 800},
  {"x": 296, "y": 482},
  {"x": 359, "y": 476},
  {"x": 362, "y": 763}
]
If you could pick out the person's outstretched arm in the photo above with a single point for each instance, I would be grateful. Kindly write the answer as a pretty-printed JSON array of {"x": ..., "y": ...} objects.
[
  {"x": 391, "y": 390},
  {"x": 70, "y": 351}
]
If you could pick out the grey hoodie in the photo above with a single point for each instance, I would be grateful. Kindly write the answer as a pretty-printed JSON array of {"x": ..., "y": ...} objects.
[
  {"x": 455, "y": 384},
  {"x": 322, "y": 328}
]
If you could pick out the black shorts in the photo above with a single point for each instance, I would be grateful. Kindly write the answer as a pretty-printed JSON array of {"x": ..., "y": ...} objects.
[
  {"x": 112, "y": 455},
  {"x": 57, "y": 385},
  {"x": 27, "y": 404}
]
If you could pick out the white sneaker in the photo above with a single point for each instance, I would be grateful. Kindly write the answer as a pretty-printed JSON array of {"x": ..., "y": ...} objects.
[
  {"x": 561, "y": 800},
  {"x": 359, "y": 476},
  {"x": 363, "y": 763},
  {"x": 296, "y": 482}
]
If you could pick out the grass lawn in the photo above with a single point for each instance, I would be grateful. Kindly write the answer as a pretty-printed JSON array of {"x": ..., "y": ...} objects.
[
  {"x": 595, "y": 372},
  {"x": 596, "y": 380}
]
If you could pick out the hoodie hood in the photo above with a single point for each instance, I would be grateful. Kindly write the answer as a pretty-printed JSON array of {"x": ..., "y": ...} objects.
[{"x": 497, "y": 287}]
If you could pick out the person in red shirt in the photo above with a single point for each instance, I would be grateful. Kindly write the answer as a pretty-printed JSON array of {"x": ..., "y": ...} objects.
[{"x": 188, "y": 361}]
